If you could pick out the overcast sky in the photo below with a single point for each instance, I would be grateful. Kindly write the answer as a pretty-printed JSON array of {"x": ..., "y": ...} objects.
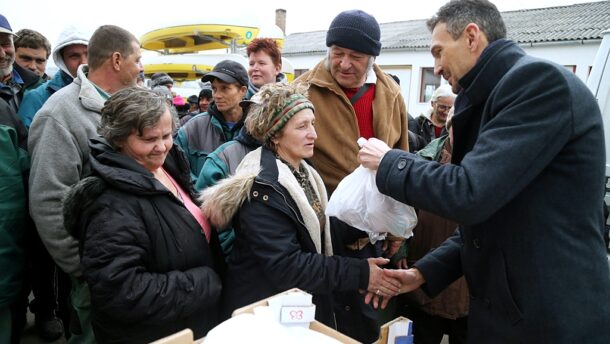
[{"x": 51, "y": 16}]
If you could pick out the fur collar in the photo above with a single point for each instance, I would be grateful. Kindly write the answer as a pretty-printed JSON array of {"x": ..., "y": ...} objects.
[{"x": 222, "y": 201}]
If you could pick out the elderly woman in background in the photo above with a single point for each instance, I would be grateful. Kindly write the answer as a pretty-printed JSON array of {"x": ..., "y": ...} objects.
[
  {"x": 148, "y": 254},
  {"x": 276, "y": 202},
  {"x": 265, "y": 64}
]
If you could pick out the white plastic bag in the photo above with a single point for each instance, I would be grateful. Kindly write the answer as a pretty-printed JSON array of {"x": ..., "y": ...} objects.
[{"x": 357, "y": 202}]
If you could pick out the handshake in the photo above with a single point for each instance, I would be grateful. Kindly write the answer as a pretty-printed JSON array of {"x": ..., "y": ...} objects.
[{"x": 385, "y": 283}]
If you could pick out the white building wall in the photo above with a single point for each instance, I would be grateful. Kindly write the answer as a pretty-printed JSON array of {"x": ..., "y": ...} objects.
[{"x": 572, "y": 53}]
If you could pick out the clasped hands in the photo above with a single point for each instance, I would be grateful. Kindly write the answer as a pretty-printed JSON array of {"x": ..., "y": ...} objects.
[{"x": 386, "y": 283}]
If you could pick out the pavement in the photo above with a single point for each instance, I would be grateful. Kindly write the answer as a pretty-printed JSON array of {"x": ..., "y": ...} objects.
[{"x": 29, "y": 335}]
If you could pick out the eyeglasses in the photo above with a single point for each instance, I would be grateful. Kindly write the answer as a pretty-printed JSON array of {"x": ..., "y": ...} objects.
[{"x": 443, "y": 107}]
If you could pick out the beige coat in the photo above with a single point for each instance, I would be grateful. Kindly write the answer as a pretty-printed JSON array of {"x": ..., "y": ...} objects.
[{"x": 336, "y": 150}]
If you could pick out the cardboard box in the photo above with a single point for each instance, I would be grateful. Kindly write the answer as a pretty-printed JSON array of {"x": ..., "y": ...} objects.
[
  {"x": 385, "y": 329},
  {"x": 183, "y": 337},
  {"x": 314, "y": 325}
]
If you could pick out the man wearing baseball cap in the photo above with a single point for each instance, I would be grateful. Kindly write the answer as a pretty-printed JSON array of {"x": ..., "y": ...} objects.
[
  {"x": 205, "y": 132},
  {"x": 353, "y": 98}
]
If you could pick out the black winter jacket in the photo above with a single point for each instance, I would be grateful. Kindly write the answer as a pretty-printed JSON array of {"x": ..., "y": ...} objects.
[
  {"x": 150, "y": 270},
  {"x": 274, "y": 249}
]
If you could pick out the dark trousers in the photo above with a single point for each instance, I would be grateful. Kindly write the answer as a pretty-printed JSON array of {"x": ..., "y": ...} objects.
[
  {"x": 429, "y": 329},
  {"x": 49, "y": 284},
  {"x": 354, "y": 318}
]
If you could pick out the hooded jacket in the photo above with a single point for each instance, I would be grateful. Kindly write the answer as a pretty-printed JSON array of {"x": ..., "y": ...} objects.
[
  {"x": 278, "y": 242},
  {"x": 70, "y": 36},
  {"x": 149, "y": 267},
  {"x": 202, "y": 134},
  {"x": 35, "y": 98},
  {"x": 59, "y": 147}
]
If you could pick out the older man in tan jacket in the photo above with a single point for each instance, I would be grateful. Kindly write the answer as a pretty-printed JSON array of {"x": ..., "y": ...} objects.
[{"x": 353, "y": 98}]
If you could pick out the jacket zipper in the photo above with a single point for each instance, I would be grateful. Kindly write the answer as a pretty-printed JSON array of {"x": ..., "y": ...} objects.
[{"x": 285, "y": 201}]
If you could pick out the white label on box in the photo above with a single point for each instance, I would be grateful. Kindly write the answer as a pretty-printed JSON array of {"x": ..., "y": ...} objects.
[{"x": 297, "y": 314}]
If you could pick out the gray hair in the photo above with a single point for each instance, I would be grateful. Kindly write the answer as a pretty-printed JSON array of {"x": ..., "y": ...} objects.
[
  {"x": 132, "y": 109},
  {"x": 369, "y": 67},
  {"x": 457, "y": 14},
  {"x": 443, "y": 91}
]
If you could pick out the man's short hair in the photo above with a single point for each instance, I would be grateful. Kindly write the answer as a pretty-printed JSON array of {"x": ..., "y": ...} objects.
[
  {"x": 26, "y": 38},
  {"x": 107, "y": 40},
  {"x": 456, "y": 14}
]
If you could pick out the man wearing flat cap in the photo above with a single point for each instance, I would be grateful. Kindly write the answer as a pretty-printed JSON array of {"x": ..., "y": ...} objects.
[{"x": 353, "y": 98}]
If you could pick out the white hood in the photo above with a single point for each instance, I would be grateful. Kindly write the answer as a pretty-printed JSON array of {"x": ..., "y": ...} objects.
[{"x": 69, "y": 36}]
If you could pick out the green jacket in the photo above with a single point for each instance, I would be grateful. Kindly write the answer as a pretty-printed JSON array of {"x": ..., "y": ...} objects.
[
  {"x": 433, "y": 150},
  {"x": 14, "y": 167}
]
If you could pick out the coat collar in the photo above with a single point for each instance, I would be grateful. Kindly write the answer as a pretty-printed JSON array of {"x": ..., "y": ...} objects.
[{"x": 478, "y": 84}]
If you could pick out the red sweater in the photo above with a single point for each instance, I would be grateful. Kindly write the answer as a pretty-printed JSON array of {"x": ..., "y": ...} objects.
[{"x": 364, "y": 110}]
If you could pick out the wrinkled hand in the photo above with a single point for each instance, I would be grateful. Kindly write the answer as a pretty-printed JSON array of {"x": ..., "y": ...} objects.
[
  {"x": 402, "y": 264},
  {"x": 377, "y": 300},
  {"x": 379, "y": 283},
  {"x": 371, "y": 153},
  {"x": 390, "y": 247},
  {"x": 410, "y": 280}
]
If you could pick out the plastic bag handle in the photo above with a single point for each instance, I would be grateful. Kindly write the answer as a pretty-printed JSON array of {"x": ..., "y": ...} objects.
[{"x": 361, "y": 141}]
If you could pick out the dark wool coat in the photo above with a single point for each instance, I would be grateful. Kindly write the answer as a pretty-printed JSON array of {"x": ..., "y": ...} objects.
[
  {"x": 526, "y": 188},
  {"x": 149, "y": 268}
]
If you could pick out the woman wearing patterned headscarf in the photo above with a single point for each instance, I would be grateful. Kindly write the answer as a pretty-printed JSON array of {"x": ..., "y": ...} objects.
[{"x": 276, "y": 204}]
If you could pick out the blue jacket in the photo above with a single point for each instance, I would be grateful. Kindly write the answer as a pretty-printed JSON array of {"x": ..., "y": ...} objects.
[
  {"x": 35, "y": 98},
  {"x": 202, "y": 134},
  {"x": 218, "y": 165},
  {"x": 525, "y": 184}
]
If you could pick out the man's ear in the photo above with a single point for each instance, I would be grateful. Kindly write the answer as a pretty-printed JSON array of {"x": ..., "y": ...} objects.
[
  {"x": 475, "y": 38},
  {"x": 115, "y": 59}
]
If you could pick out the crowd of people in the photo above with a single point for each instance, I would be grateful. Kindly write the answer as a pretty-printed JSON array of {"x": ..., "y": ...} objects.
[{"x": 128, "y": 215}]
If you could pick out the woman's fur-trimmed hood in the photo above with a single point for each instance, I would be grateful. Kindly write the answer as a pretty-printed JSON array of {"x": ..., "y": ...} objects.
[{"x": 221, "y": 202}]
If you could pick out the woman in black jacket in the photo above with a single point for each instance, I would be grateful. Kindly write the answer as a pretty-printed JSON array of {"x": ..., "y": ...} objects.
[
  {"x": 276, "y": 202},
  {"x": 149, "y": 256}
]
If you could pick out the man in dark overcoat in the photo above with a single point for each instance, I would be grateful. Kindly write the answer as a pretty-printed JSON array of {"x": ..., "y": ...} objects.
[{"x": 525, "y": 184}]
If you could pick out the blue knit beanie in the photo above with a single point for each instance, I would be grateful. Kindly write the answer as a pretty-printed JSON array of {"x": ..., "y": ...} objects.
[{"x": 356, "y": 30}]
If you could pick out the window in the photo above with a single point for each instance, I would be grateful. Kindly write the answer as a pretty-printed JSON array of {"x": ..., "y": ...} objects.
[
  {"x": 299, "y": 72},
  {"x": 571, "y": 68},
  {"x": 429, "y": 83}
]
